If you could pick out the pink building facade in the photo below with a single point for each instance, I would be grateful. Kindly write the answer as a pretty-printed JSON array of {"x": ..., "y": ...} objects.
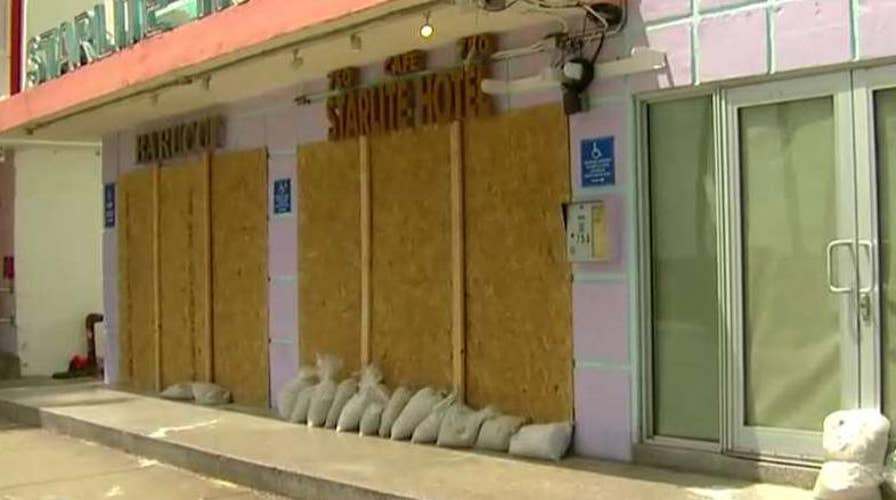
[{"x": 747, "y": 292}]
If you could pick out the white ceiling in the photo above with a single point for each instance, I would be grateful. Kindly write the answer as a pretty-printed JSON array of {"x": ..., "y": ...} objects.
[{"x": 241, "y": 76}]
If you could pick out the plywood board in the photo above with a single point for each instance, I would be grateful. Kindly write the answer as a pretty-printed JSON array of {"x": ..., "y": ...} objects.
[
  {"x": 330, "y": 251},
  {"x": 519, "y": 326},
  {"x": 184, "y": 271},
  {"x": 411, "y": 246},
  {"x": 137, "y": 278},
  {"x": 240, "y": 274}
]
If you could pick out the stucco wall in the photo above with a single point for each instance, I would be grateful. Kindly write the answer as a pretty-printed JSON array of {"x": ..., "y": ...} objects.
[{"x": 58, "y": 254}]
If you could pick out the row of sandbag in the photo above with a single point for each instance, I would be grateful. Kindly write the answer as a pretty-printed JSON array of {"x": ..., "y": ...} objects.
[{"x": 425, "y": 416}]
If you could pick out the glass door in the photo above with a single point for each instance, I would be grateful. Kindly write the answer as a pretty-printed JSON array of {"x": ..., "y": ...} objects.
[
  {"x": 875, "y": 104},
  {"x": 793, "y": 247}
]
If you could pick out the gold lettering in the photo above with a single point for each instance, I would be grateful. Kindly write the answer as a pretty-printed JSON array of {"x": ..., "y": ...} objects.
[
  {"x": 404, "y": 111},
  {"x": 442, "y": 91},
  {"x": 364, "y": 111},
  {"x": 333, "y": 115},
  {"x": 351, "y": 115},
  {"x": 426, "y": 99}
]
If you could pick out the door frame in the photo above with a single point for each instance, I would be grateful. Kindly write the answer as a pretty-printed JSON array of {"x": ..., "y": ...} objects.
[
  {"x": 866, "y": 82},
  {"x": 784, "y": 443}
]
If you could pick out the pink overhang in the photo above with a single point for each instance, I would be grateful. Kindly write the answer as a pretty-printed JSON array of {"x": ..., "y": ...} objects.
[{"x": 228, "y": 32}]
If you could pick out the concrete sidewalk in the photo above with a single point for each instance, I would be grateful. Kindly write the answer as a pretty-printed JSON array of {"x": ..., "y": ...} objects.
[
  {"x": 37, "y": 464},
  {"x": 299, "y": 462}
]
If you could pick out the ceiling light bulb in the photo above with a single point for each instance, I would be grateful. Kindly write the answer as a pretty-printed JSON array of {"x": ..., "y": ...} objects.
[
  {"x": 356, "y": 42},
  {"x": 426, "y": 30}
]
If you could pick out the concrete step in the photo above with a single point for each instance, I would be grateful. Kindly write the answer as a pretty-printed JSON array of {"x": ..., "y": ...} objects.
[{"x": 298, "y": 462}]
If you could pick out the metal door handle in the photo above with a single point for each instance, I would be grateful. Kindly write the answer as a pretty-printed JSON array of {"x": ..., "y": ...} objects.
[
  {"x": 830, "y": 254},
  {"x": 868, "y": 246}
]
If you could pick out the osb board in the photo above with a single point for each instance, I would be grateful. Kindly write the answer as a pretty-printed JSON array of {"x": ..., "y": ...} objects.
[
  {"x": 519, "y": 326},
  {"x": 240, "y": 274},
  {"x": 411, "y": 247},
  {"x": 330, "y": 252},
  {"x": 184, "y": 271},
  {"x": 136, "y": 282}
]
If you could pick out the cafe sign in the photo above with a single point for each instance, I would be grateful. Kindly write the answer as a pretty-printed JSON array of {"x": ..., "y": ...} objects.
[
  {"x": 96, "y": 33},
  {"x": 414, "y": 96}
]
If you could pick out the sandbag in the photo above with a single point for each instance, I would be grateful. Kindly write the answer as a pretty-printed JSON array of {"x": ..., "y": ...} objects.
[
  {"x": 286, "y": 397},
  {"x": 856, "y": 436},
  {"x": 179, "y": 392},
  {"x": 496, "y": 432},
  {"x": 299, "y": 413},
  {"x": 370, "y": 421},
  {"x": 428, "y": 430},
  {"x": 889, "y": 473},
  {"x": 461, "y": 425},
  {"x": 545, "y": 441},
  {"x": 325, "y": 391},
  {"x": 848, "y": 481},
  {"x": 207, "y": 394},
  {"x": 369, "y": 391},
  {"x": 393, "y": 409},
  {"x": 344, "y": 393},
  {"x": 415, "y": 412}
]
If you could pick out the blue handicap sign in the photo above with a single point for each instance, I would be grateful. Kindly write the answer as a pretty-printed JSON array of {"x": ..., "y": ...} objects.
[
  {"x": 598, "y": 162},
  {"x": 282, "y": 196},
  {"x": 109, "y": 205}
]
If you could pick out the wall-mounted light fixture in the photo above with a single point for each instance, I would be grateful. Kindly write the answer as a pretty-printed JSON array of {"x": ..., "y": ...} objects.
[
  {"x": 426, "y": 29},
  {"x": 355, "y": 42},
  {"x": 297, "y": 59}
]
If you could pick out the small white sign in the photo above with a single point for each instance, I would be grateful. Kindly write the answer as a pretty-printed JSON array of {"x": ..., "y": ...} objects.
[{"x": 588, "y": 234}]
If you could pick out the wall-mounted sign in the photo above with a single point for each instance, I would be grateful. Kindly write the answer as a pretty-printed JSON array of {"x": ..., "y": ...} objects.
[
  {"x": 181, "y": 140},
  {"x": 282, "y": 196},
  {"x": 416, "y": 99},
  {"x": 598, "y": 162},
  {"x": 109, "y": 205},
  {"x": 86, "y": 38},
  {"x": 588, "y": 232}
]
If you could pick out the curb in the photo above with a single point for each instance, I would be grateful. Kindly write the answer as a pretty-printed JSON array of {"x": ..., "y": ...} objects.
[{"x": 245, "y": 473}]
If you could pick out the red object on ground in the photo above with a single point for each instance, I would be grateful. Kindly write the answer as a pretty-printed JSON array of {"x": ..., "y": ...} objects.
[{"x": 78, "y": 362}]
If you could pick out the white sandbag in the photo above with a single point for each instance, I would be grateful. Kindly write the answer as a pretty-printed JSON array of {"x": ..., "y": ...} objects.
[
  {"x": 179, "y": 392},
  {"x": 496, "y": 432},
  {"x": 545, "y": 441},
  {"x": 370, "y": 421},
  {"x": 461, "y": 425},
  {"x": 286, "y": 398},
  {"x": 325, "y": 391},
  {"x": 369, "y": 391},
  {"x": 207, "y": 394},
  {"x": 299, "y": 413},
  {"x": 848, "y": 481},
  {"x": 415, "y": 412},
  {"x": 394, "y": 407},
  {"x": 428, "y": 430},
  {"x": 344, "y": 393},
  {"x": 889, "y": 473},
  {"x": 856, "y": 436}
]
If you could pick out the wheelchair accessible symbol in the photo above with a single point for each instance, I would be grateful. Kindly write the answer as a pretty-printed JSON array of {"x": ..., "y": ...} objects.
[{"x": 598, "y": 162}]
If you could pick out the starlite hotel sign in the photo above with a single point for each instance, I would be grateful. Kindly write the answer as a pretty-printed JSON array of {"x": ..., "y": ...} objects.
[{"x": 106, "y": 28}]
